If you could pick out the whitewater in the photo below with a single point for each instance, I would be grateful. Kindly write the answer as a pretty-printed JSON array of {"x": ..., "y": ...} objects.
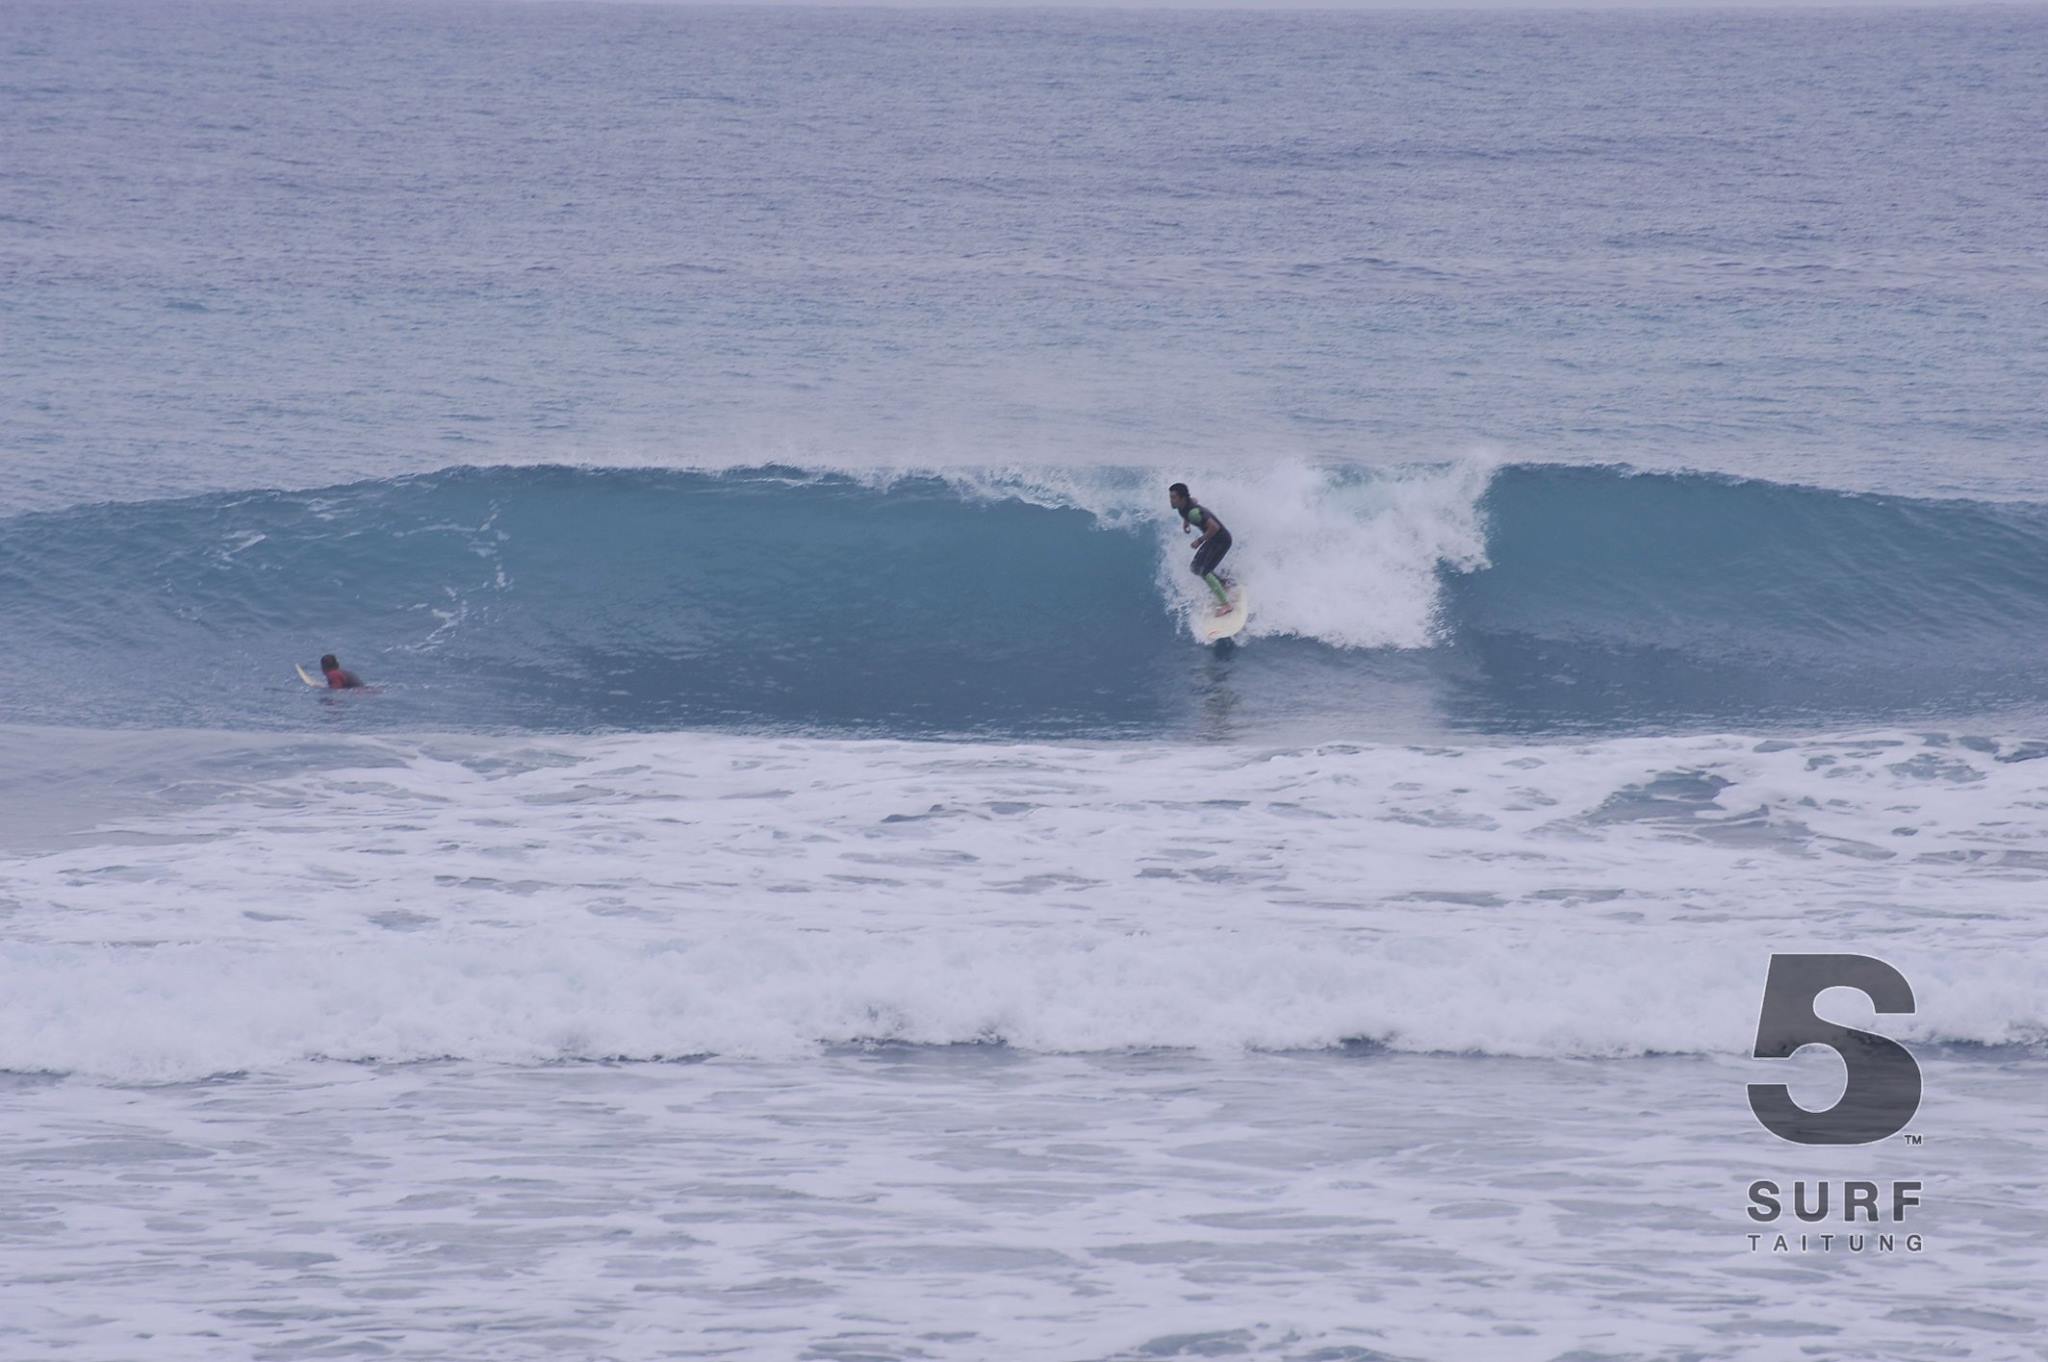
[
  {"x": 796, "y": 889},
  {"x": 575, "y": 899}
]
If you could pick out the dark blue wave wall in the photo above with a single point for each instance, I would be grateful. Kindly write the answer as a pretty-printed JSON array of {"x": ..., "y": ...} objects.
[
  {"x": 1653, "y": 600},
  {"x": 569, "y": 599},
  {"x": 566, "y": 599}
]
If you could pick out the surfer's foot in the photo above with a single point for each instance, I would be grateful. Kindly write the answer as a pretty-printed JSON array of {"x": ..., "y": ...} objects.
[{"x": 1222, "y": 608}]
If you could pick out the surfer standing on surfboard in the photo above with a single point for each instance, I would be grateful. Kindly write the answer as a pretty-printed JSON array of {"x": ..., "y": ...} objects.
[{"x": 1213, "y": 543}]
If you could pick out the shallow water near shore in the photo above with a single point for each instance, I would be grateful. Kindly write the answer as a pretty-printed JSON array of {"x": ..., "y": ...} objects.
[{"x": 915, "y": 1202}]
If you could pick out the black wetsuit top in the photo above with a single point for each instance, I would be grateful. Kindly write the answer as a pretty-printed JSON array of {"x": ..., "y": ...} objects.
[{"x": 1211, "y": 553}]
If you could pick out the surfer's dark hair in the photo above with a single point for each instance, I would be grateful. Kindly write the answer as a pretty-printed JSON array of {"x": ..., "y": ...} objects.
[
  {"x": 1178, "y": 489},
  {"x": 329, "y": 663}
]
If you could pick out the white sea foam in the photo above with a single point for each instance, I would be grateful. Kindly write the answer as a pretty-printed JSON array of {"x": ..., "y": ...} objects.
[
  {"x": 1344, "y": 554},
  {"x": 1347, "y": 561},
  {"x": 675, "y": 894}
]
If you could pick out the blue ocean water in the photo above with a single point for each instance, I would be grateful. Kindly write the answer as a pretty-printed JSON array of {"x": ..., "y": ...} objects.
[
  {"x": 1525, "y": 600},
  {"x": 1067, "y": 257},
  {"x": 797, "y": 888},
  {"x": 251, "y": 245}
]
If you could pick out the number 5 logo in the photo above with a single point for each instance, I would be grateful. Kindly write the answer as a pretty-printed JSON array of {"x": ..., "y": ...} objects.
[{"x": 1883, "y": 1090}]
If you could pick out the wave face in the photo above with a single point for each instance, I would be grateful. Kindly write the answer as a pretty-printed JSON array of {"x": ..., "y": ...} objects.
[{"x": 1519, "y": 599}]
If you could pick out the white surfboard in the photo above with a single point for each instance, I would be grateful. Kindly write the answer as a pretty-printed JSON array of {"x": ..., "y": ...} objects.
[
  {"x": 308, "y": 677},
  {"x": 1211, "y": 627}
]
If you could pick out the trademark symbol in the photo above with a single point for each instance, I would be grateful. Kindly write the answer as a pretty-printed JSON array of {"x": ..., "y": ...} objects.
[{"x": 1914, "y": 1139}]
